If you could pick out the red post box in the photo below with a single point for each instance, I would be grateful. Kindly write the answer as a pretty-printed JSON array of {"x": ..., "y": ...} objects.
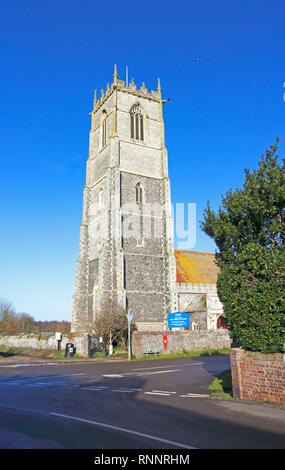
[{"x": 165, "y": 341}]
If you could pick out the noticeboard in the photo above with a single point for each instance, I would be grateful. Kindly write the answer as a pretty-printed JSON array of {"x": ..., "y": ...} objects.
[{"x": 178, "y": 320}]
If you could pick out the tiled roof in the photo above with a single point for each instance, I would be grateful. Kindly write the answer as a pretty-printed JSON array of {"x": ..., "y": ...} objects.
[{"x": 195, "y": 267}]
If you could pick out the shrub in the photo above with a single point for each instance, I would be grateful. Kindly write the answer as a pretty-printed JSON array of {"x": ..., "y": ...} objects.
[{"x": 249, "y": 231}]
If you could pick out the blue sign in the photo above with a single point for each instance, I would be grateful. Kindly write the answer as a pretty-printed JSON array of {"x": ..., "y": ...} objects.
[{"x": 178, "y": 320}]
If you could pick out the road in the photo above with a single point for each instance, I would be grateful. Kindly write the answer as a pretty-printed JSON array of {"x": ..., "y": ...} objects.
[{"x": 161, "y": 404}]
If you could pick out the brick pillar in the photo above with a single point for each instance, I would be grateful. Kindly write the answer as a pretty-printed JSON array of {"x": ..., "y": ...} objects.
[
  {"x": 137, "y": 344},
  {"x": 258, "y": 376}
]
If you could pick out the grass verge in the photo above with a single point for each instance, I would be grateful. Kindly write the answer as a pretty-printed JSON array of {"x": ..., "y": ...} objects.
[
  {"x": 221, "y": 386},
  {"x": 206, "y": 352}
]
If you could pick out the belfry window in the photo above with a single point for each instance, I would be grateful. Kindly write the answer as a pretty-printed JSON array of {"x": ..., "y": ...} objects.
[
  {"x": 104, "y": 129},
  {"x": 137, "y": 128},
  {"x": 139, "y": 193}
]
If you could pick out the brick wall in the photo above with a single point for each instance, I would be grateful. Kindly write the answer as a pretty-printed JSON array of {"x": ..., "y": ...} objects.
[
  {"x": 257, "y": 376},
  {"x": 180, "y": 340}
]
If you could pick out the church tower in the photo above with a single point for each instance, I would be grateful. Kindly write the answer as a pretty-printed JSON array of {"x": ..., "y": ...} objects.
[{"x": 126, "y": 237}]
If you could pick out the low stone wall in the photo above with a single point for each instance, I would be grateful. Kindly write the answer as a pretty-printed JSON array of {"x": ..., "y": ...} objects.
[
  {"x": 81, "y": 343},
  {"x": 177, "y": 342},
  {"x": 32, "y": 341},
  {"x": 257, "y": 376}
]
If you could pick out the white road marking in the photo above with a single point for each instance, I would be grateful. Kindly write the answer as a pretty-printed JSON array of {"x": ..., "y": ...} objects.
[
  {"x": 137, "y": 374},
  {"x": 92, "y": 389},
  {"x": 159, "y": 372},
  {"x": 194, "y": 395},
  {"x": 98, "y": 386},
  {"x": 124, "y": 391},
  {"x": 158, "y": 367},
  {"x": 44, "y": 383},
  {"x": 164, "y": 391},
  {"x": 129, "y": 431},
  {"x": 113, "y": 375},
  {"x": 133, "y": 389},
  {"x": 158, "y": 393}
]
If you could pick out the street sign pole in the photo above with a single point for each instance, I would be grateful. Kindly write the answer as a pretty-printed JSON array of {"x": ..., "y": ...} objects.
[
  {"x": 129, "y": 316},
  {"x": 129, "y": 340}
]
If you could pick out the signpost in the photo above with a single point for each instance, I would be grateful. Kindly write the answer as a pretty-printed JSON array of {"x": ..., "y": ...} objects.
[
  {"x": 58, "y": 337},
  {"x": 130, "y": 316},
  {"x": 178, "y": 320}
]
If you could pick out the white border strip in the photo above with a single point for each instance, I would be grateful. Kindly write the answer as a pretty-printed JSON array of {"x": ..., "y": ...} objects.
[{"x": 129, "y": 431}]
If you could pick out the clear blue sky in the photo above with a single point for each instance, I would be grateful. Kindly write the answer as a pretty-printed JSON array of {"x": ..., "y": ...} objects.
[{"x": 224, "y": 111}]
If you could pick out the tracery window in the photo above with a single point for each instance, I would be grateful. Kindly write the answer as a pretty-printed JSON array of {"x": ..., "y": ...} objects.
[{"x": 137, "y": 128}]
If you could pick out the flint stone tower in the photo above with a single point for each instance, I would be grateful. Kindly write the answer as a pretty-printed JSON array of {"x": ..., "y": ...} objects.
[{"x": 126, "y": 236}]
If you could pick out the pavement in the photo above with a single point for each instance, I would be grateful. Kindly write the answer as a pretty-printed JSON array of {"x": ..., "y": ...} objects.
[{"x": 161, "y": 404}]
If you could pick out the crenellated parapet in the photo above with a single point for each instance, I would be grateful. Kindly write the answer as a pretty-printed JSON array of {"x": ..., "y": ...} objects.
[
  {"x": 142, "y": 92},
  {"x": 196, "y": 288}
]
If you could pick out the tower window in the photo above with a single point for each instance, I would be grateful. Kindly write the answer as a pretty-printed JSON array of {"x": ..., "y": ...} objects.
[
  {"x": 104, "y": 129},
  {"x": 139, "y": 193},
  {"x": 101, "y": 197},
  {"x": 137, "y": 128}
]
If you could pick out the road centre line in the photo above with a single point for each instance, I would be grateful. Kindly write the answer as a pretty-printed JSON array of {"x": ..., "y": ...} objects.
[{"x": 137, "y": 374}]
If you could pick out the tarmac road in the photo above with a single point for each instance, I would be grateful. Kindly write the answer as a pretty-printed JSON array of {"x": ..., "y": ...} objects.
[{"x": 161, "y": 404}]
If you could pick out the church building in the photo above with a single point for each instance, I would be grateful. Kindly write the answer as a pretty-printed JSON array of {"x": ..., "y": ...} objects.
[{"x": 126, "y": 249}]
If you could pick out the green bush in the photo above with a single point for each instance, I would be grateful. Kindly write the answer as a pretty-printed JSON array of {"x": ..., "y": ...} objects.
[
  {"x": 254, "y": 298},
  {"x": 249, "y": 231}
]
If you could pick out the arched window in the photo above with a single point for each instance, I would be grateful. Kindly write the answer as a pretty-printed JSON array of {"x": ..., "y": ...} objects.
[
  {"x": 194, "y": 325},
  {"x": 104, "y": 129},
  {"x": 139, "y": 193},
  {"x": 137, "y": 130}
]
